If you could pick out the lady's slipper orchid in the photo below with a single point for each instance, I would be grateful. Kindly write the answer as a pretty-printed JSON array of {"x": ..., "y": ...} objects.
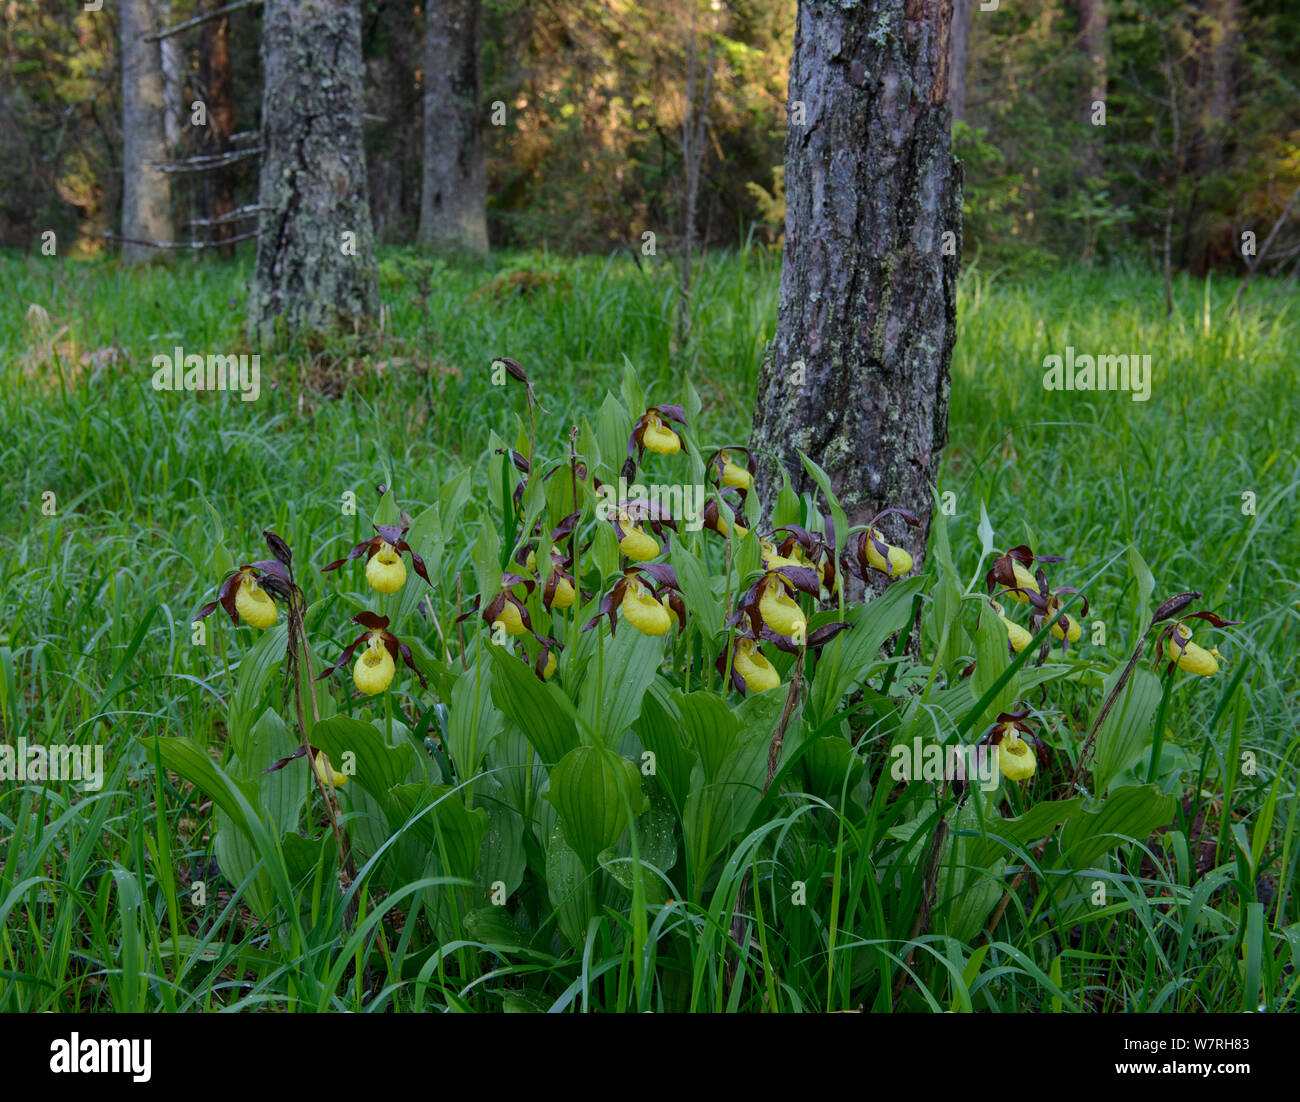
[
  {"x": 779, "y": 611},
  {"x": 1045, "y": 608},
  {"x": 1178, "y": 645},
  {"x": 242, "y": 594},
  {"x": 650, "y": 432},
  {"x": 1073, "y": 631},
  {"x": 1189, "y": 656},
  {"x": 1018, "y": 748},
  {"x": 643, "y": 612},
  {"x": 872, "y": 552},
  {"x": 551, "y": 663},
  {"x": 650, "y": 598},
  {"x": 1016, "y": 761},
  {"x": 374, "y": 669},
  {"x": 548, "y": 658},
  {"x": 885, "y": 557},
  {"x": 253, "y": 603},
  {"x": 329, "y": 776},
  {"x": 377, "y": 663},
  {"x": 750, "y": 670},
  {"x": 635, "y": 542},
  {"x": 714, "y": 520},
  {"x": 658, "y": 438},
  {"x": 769, "y": 612},
  {"x": 510, "y": 616},
  {"x": 1011, "y": 572},
  {"x": 385, "y": 570},
  {"x": 806, "y": 559},
  {"x": 1017, "y": 637},
  {"x": 559, "y": 592},
  {"x": 730, "y": 474},
  {"x": 505, "y": 609}
]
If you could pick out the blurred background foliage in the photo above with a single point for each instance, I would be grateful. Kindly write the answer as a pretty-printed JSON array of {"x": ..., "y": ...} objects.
[{"x": 584, "y": 103}]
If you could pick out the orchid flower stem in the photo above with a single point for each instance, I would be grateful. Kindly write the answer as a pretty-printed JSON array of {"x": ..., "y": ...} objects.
[{"x": 1109, "y": 703}]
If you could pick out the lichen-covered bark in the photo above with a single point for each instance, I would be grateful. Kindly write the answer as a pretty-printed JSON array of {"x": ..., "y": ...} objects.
[
  {"x": 453, "y": 206},
  {"x": 313, "y": 176},
  {"x": 868, "y": 292},
  {"x": 146, "y": 191}
]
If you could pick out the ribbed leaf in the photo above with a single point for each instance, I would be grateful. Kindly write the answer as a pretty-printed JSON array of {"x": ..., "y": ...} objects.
[
  {"x": 589, "y": 788},
  {"x": 539, "y": 709}
]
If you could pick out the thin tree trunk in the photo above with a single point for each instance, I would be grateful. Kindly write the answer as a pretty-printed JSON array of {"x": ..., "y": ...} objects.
[
  {"x": 1225, "y": 40},
  {"x": 872, "y": 247},
  {"x": 1092, "y": 41},
  {"x": 172, "y": 60},
  {"x": 146, "y": 191},
  {"x": 214, "y": 77},
  {"x": 958, "y": 56},
  {"x": 316, "y": 253},
  {"x": 1223, "y": 22},
  {"x": 694, "y": 120},
  {"x": 453, "y": 206}
]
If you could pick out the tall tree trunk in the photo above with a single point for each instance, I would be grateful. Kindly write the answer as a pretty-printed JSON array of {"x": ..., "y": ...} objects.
[
  {"x": 1225, "y": 41},
  {"x": 316, "y": 252},
  {"x": 146, "y": 191},
  {"x": 214, "y": 78},
  {"x": 392, "y": 146},
  {"x": 453, "y": 206},
  {"x": 958, "y": 56},
  {"x": 872, "y": 247},
  {"x": 1223, "y": 25},
  {"x": 1092, "y": 41}
]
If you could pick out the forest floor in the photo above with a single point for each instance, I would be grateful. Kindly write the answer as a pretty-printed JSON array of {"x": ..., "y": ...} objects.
[{"x": 99, "y": 582}]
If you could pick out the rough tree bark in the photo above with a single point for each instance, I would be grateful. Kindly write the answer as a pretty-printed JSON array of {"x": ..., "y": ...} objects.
[
  {"x": 453, "y": 202},
  {"x": 872, "y": 247},
  {"x": 214, "y": 80},
  {"x": 316, "y": 253},
  {"x": 146, "y": 191},
  {"x": 958, "y": 55},
  {"x": 1092, "y": 41}
]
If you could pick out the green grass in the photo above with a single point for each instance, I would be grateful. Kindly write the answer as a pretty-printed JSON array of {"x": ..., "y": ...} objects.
[{"x": 96, "y": 602}]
